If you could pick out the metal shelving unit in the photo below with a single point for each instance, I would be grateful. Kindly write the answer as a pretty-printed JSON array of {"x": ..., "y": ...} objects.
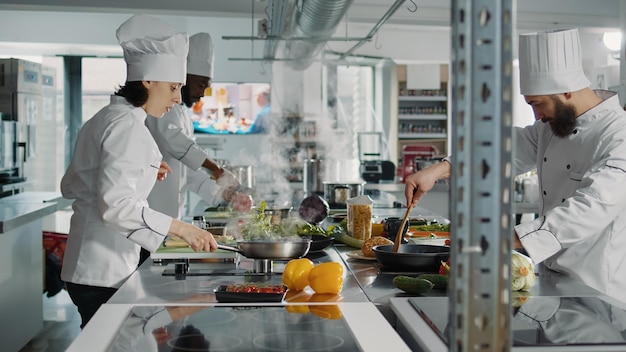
[{"x": 482, "y": 186}]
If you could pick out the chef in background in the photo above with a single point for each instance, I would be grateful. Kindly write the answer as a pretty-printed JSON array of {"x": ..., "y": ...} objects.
[
  {"x": 115, "y": 164},
  {"x": 173, "y": 134},
  {"x": 261, "y": 122},
  {"x": 578, "y": 145}
]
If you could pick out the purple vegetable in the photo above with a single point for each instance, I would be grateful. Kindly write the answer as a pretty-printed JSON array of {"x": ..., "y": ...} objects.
[{"x": 313, "y": 209}]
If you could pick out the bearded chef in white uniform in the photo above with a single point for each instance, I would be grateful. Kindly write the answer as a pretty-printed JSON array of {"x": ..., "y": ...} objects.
[
  {"x": 578, "y": 145},
  {"x": 115, "y": 164},
  {"x": 173, "y": 134}
]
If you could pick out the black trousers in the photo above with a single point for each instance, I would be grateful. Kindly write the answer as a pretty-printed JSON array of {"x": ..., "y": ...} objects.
[
  {"x": 143, "y": 256},
  {"x": 88, "y": 299}
]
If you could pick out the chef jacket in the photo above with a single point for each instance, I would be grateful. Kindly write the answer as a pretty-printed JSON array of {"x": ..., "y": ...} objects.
[
  {"x": 574, "y": 320},
  {"x": 173, "y": 134},
  {"x": 113, "y": 169},
  {"x": 581, "y": 230}
]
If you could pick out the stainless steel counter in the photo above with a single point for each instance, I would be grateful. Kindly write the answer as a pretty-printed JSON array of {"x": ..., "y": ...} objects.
[
  {"x": 421, "y": 330},
  {"x": 23, "y": 208},
  {"x": 21, "y": 265},
  {"x": 148, "y": 285}
]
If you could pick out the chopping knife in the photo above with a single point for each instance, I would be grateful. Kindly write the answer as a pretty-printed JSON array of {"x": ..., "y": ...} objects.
[{"x": 398, "y": 240}]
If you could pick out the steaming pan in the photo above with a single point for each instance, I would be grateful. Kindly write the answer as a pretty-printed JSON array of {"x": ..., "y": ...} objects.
[{"x": 274, "y": 250}]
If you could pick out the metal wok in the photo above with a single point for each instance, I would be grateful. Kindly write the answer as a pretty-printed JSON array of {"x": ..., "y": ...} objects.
[
  {"x": 273, "y": 250},
  {"x": 412, "y": 257}
]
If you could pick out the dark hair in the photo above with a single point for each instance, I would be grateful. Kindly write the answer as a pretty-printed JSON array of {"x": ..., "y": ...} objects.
[{"x": 134, "y": 92}]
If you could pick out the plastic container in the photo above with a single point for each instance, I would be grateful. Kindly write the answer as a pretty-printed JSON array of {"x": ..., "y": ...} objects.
[{"x": 360, "y": 217}]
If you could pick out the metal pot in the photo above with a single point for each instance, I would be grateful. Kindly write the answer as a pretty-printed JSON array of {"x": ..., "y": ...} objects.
[
  {"x": 273, "y": 250},
  {"x": 338, "y": 193},
  {"x": 412, "y": 257},
  {"x": 243, "y": 173},
  {"x": 312, "y": 173},
  {"x": 277, "y": 214}
]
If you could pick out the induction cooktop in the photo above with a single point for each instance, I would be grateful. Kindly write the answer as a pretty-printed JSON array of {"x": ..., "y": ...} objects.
[
  {"x": 545, "y": 321},
  {"x": 234, "y": 328}
]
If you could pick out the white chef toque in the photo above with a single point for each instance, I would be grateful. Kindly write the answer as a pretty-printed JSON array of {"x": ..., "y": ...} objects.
[
  {"x": 153, "y": 50},
  {"x": 551, "y": 62},
  {"x": 200, "y": 58}
]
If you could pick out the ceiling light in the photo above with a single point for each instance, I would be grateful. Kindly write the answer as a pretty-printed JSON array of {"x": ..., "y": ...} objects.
[{"x": 612, "y": 40}]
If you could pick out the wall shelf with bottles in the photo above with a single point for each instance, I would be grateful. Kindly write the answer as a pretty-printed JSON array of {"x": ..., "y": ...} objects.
[{"x": 422, "y": 114}]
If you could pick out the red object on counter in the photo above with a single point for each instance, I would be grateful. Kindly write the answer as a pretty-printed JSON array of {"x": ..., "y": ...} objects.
[
  {"x": 412, "y": 152},
  {"x": 54, "y": 244}
]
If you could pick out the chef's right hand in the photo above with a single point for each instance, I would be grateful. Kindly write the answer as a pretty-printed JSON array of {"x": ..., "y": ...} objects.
[
  {"x": 228, "y": 184},
  {"x": 419, "y": 183},
  {"x": 241, "y": 202},
  {"x": 198, "y": 239}
]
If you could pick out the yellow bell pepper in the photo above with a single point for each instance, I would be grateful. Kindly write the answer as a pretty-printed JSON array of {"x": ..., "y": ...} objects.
[
  {"x": 326, "y": 278},
  {"x": 296, "y": 273}
]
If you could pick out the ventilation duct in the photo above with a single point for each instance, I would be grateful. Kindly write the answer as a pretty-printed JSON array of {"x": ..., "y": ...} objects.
[{"x": 318, "y": 19}]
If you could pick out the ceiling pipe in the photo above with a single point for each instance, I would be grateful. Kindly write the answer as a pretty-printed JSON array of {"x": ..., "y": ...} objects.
[
  {"x": 317, "y": 20},
  {"x": 280, "y": 12}
]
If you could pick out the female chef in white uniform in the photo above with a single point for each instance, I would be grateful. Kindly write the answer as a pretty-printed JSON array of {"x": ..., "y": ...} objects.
[
  {"x": 578, "y": 145},
  {"x": 114, "y": 166}
]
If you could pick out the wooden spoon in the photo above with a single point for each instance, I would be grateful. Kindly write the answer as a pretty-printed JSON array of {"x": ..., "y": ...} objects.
[{"x": 398, "y": 240}]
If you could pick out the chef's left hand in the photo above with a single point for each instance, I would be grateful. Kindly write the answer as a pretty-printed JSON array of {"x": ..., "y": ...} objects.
[
  {"x": 164, "y": 169},
  {"x": 517, "y": 244}
]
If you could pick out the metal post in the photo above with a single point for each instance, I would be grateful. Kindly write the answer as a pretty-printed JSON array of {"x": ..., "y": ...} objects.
[
  {"x": 481, "y": 192},
  {"x": 622, "y": 56}
]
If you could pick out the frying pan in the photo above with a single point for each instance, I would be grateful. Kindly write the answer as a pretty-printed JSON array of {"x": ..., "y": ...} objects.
[
  {"x": 273, "y": 250},
  {"x": 412, "y": 257},
  {"x": 318, "y": 242}
]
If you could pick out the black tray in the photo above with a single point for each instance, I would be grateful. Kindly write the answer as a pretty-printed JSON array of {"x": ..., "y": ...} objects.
[{"x": 238, "y": 297}]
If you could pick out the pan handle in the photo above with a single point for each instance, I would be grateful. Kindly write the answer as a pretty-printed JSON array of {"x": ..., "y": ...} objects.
[
  {"x": 229, "y": 248},
  {"x": 442, "y": 258}
]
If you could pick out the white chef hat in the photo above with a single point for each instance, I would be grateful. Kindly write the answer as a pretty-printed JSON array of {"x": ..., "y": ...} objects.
[
  {"x": 551, "y": 62},
  {"x": 200, "y": 58},
  {"x": 153, "y": 50}
]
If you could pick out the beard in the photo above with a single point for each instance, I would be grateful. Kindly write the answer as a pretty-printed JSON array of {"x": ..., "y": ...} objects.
[
  {"x": 564, "y": 120},
  {"x": 186, "y": 97}
]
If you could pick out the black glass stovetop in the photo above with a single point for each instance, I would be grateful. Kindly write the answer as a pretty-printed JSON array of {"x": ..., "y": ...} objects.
[
  {"x": 545, "y": 321},
  {"x": 234, "y": 328}
]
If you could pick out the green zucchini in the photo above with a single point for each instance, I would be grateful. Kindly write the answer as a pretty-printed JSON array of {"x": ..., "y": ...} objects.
[
  {"x": 349, "y": 240},
  {"x": 412, "y": 285},
  {"x": 439, "y": 281}
]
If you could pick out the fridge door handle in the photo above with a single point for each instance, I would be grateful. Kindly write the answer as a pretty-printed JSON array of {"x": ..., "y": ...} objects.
[{"x": 21, "y": 145}]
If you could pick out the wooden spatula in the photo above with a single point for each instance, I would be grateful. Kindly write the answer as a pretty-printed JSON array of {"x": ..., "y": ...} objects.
[{"x": 398, "y": 240}]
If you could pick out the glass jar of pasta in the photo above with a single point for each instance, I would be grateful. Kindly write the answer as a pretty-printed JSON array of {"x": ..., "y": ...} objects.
[{"x": 360, "y": 217}]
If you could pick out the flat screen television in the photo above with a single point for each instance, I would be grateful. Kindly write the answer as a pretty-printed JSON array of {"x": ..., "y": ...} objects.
[{"x": 233, "y": 108}]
